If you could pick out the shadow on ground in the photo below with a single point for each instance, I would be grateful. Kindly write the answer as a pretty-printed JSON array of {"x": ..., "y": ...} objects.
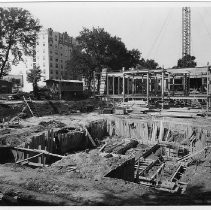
[{"x": 193, "y": 196}]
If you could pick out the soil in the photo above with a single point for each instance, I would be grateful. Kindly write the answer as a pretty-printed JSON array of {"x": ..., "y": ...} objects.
[{"x": 79, "y": 178}]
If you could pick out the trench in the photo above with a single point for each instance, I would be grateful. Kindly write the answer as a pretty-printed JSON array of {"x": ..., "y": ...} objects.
[{"x": 157, "y": 162}]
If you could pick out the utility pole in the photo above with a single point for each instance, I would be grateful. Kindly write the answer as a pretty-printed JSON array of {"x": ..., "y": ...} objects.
[{"x": 186, "y": 31}]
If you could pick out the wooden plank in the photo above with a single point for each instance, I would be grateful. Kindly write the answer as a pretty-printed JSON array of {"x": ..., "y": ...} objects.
[
  {"x": 28, "y": 106},
  {"x": 48, "y": 140},
  {"x": 90, "y": 137},
  {"x": 196, "y": 153},
  {"x": 179, "y": 167},
  {"x": 167, "y": 136},
  {"x": 148, "y": 167},
  {"x": 20, "y": 161},
  {"x": 101, "y": 149},
  {"x": 51, "y": 142},
  {"x": 159, "y": 169},
  {"x": 39, "y": 151},
  {"x": 39, "y": 158},
  {"x": 161, "y": 131}
]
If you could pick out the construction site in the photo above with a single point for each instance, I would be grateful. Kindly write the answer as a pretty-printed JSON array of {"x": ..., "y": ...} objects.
[{"x": 144, "y": 139}]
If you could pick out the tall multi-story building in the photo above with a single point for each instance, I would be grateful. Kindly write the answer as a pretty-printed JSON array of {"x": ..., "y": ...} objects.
[{"x": 53, "y": 50}]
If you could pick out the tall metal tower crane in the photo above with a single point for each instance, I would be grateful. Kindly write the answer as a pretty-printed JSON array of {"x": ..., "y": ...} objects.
[{"x": 186, "y": 31}]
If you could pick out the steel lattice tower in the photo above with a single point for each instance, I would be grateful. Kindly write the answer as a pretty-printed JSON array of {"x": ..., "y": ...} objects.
[{"x": 186, "y": 31}]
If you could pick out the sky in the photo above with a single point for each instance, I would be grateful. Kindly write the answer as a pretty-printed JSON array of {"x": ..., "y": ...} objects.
[{"x": 154, "y": 28}]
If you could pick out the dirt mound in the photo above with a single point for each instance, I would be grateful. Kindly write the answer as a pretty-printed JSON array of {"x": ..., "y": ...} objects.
[
  {"x": 52, "y": 124},
  {"x": 90, "y": 165}
]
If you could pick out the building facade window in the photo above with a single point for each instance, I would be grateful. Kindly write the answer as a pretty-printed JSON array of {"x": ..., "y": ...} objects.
[
  {"x": 51, "y": 65},
  {"x": 51, "y": 58},
  {"x": 57, "y": 65}
]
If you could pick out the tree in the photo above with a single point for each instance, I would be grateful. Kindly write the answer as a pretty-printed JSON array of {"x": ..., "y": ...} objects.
[
  {"x": 134, "y": 56},
  {"x": 18, "y": 33},
  {"x": 34, "y": 76},
  {"x": 81, "y": 63},
  {"x": 97, "y": 49},
  {"x": 187, "y": 61},
  {"x": 148, "y": 64}
]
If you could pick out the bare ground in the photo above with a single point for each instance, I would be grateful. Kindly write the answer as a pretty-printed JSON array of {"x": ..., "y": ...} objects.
[{"x": 79, "y": 178}]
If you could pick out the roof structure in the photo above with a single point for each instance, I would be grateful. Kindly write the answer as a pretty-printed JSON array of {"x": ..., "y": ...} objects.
[{"x": 68, "y": 81}]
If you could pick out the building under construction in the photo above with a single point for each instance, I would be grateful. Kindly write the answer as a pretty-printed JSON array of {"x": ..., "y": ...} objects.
[{"x": 177, "y": 84}]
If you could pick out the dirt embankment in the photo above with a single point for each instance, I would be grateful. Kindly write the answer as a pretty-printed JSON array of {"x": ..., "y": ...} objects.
[
  {"x": 77, "y": 179},
  {"x": 44, "y": 108}
]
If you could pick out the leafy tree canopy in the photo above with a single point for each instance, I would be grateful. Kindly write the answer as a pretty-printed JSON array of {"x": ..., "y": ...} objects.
[
  {"x": 34, "y": 76},
  {"x": 18, "y": 33},
  {"x": 147, "y": 64},
  {"x": 97, "y": 49},
  {"x": 187, "y": 61}
]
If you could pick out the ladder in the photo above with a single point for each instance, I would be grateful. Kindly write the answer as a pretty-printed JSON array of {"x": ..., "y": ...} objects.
[
  {"x": 103, "y": 81},
  {"x": 31, "y": 106}
]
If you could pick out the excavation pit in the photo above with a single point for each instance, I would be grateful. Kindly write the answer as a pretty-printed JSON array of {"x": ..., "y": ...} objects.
[
  {"x": 27, "y": 157},
  {"x": 163, "y": 147}
]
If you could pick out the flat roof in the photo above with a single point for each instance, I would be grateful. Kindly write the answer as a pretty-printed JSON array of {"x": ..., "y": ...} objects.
[
  {"x": 70, "y": 81},
  {"x": 191, "y": 71}
]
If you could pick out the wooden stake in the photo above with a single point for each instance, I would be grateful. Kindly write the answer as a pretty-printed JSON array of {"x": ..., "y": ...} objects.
[{"x": 27, "y": 159}]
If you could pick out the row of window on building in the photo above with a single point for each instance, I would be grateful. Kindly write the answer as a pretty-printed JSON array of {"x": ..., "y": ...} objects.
[
  {"x": 57, "y": 72},
  {"x": 56, "y": 65}
]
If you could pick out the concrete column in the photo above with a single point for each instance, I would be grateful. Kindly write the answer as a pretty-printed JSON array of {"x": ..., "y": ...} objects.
[
  {"x": 123, "y": 83},
  {"x": 173, "y": 84},
  {"x": 133, "y": 85},
  {"x": 118, "y": 85},
  {"x": 107, "y": 86},
  {"x": 169, "y": 83},
  {"x": 113, "y": 85},
  {"x": 150, "y": 84},
  {"x": 185, "y": 84},
  {"x": 148, "y": 87}
]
